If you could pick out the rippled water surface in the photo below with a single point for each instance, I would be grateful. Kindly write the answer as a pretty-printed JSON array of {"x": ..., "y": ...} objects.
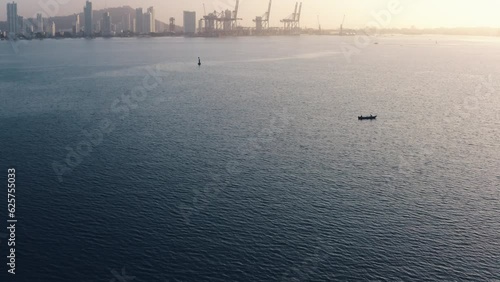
[{"x": 253, "y": 167}]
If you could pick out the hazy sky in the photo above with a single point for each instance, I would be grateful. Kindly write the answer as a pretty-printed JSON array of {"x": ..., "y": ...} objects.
[{"x": 421, "y": 13}]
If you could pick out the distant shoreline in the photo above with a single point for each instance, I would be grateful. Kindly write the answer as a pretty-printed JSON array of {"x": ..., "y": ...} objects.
[{"x": 2, "y": 38}]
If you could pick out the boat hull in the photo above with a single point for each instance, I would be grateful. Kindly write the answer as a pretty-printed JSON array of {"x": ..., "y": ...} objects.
[{"x": 367, "y": 118}]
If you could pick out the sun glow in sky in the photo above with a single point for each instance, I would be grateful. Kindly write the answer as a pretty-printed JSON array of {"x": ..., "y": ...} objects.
[{"x": 419, "y": 13}]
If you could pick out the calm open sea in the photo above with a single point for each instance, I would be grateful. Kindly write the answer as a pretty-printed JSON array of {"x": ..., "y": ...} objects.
[{"x": 134, "y": 164}]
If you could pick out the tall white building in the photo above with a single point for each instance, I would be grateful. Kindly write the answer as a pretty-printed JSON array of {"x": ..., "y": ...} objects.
[
  {"x": 139, "y": 20},
  {"x": 151, "y": 10},
  {"x": 52, "y": 31},
  {"x": 89, "y": 25},
  {"x": 77, "y": 24},
  {"x": 12, "y": 18},
  {"x": 189, "y": 22}
]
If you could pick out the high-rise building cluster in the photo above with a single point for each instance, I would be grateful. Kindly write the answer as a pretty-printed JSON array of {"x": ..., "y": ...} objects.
[
  {"x": 145, "y": 23},
  {"x": 142, "y": 23},
  {"x": 19, "y": 26}
]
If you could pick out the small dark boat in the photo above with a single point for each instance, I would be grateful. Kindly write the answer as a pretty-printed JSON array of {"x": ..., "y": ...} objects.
[
  {"x": 199, "y": 61},
  {"x": 367, "y": 117}
]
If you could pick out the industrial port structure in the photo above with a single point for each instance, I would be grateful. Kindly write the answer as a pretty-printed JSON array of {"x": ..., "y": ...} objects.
[
  {"x": 262, "y": 22},
  {"x": 291, "y": 24},
  {"x": 225, "y": 23}
]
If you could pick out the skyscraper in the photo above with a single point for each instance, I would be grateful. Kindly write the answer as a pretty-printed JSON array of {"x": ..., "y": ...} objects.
[
  {"x": 148, "y": 23},
  {"x": 39, "y": 23},
  {"x": 12, "y": 18},
  {"x": 89, "y": 26},
  {"x": 106, "y": 22},
  {"x": 189, "y": 22},
  {"x": 21, "y": 27},
  {"x": 97, "y": 27},
  {"x": 126, "y": 22},
  {"x": 47, "y": 26},
  {"x": 139, "y": 19},
  {"x": 153, "y": 18}
]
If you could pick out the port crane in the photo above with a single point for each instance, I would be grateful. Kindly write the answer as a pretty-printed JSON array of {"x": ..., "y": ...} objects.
[
  {"x": 292, "y": 22},
  {"x": 263, "y": 21},
  {"x": 342, "y": 26},
  {"x": 201, "y": 21},
  {"x": 300, "y": 13},
  {"x": 235, "y": 14},
  {"x": 224, "y": 21},
  {"x": 319, "y": 25}
]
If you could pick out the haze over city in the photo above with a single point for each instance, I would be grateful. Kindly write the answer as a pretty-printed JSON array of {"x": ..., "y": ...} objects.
[
  {"x": 419, "y": 13},
  {"x": 250, "y": 140}
]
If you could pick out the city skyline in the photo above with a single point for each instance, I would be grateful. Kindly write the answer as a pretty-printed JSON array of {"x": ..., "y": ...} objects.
[{"x": 422, "y": 14}]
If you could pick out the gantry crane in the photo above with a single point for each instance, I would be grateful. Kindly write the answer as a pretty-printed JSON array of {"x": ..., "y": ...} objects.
[
  {"x": 342, "y": 27},
  {"x": 292, "y": 22},
  {"x": 319, "y": 25},
  {"x": 235, "y": 14},
  {"x": 298, "y": 17},
  {"x": 224, "y": 21},
  {"x": 263, "y": 21},
  {"x": 268, "y": 14}
]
